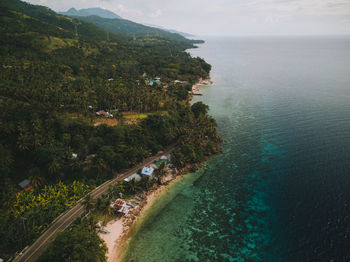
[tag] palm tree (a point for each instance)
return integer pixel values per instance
(53, 167)
(146, 183)
(91, 222)
(133, 185)
(36, 181)
(106, 208)
(161, 171)
(121, 187)
(101, 166)
(88, 202)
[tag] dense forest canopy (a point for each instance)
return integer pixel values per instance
(56, 72)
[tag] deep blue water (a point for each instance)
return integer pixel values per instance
(281, 189)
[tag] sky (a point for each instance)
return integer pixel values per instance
(227, 17)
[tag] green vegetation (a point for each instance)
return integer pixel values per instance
(127, 27)
(25, 216)
(81, 243)
(53, 67)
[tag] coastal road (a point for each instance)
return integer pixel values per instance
(33, 252)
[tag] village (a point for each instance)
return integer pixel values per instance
(124, 206)
(156, 82)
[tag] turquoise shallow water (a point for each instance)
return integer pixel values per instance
(280, 191)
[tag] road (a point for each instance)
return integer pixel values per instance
(33, 252)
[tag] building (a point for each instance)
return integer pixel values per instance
(180, 82)
(147, 171)
(120, 206)
(104, 114)
(25, 185)
(135, 176)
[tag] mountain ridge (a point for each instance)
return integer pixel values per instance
(104, 13)
(126, 26)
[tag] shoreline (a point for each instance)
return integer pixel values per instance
(120, 228)
(201, 82)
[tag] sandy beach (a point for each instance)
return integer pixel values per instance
(120, 227)
(201, 82)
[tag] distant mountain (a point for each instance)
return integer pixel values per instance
(91, 11)
(112, 22)
(126, 27)
(169, 30)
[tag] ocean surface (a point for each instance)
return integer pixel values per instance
(281, 189)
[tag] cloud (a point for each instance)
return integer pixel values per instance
(156, 13)
(124, 11)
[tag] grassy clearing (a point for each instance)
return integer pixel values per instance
(105, 121)
(134, 115)
(129, 117)
(52, 43)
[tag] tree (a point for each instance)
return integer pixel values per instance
(106, 208)
(36, 180)
(79, 244)
(88, 202)
(161, 172)
(199, 109)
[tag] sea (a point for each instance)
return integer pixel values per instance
(280, 191)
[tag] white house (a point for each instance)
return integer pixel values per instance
(135, 176)
(148, 171)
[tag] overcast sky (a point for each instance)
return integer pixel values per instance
(227, 17)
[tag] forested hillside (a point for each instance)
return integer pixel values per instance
(122, 26)
(56, 72)
(91, 11)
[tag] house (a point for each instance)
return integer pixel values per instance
(154, 81)
(135, 176)
(147, 171)
(110, 79)
(74, 155)
(25, 185)
(120, 206)
(180, 82)
(104, 114)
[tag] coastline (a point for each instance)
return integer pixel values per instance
(121, 228)
(201, 82)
